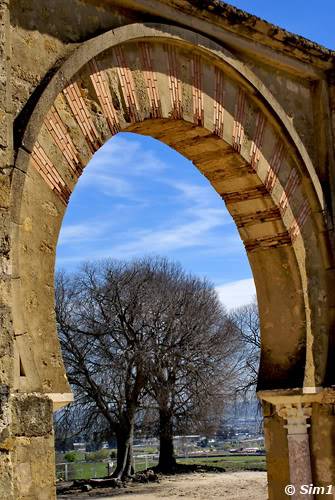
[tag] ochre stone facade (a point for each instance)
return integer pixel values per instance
(254, 108)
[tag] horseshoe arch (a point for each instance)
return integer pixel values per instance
(195, 96)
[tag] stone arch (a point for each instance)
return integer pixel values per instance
(194, 95)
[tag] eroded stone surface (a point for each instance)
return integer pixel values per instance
(31, 415)
(250, 104)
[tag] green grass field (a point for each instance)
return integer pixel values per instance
(88, 470)
(83, 470)
(230, 463)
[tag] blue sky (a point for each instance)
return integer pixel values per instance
(139, 197)
(310, 18)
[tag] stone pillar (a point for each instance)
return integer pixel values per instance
(299, 430)
(322, 442)
(29, 448)
(275, 436)
(299, 456)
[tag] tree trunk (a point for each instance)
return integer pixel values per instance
(167, 461)
(124, 461)
(129, 468)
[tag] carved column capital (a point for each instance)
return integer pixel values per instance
(296, 416)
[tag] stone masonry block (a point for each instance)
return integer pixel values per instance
(31, 415)
(6, 478)
(34, 465)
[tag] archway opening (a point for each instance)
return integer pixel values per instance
(124, 204)
(262, 226)
(136, 199)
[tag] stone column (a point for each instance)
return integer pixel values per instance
(28, 449)
(296, 416)
(299, 451)
(275, 436)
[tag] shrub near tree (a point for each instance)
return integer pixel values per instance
(130, 331)
(71, 456)
(99, 456)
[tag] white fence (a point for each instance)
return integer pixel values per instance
(68, 471)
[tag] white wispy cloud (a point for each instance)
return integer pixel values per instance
(78, 233)
(121, 151)
(198, 201)
(114, 167)
(237, 293)
(192, 221)
(197, 233)
(200, 195)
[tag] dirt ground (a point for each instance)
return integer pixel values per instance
(199, 486)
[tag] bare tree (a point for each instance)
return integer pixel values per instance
(246, 320)
(192, 365)
(144, 329)
(102, 328)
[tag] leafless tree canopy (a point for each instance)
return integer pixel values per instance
(142, 334)
(246, 321)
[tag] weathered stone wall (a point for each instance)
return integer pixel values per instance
(276, 453)
(294, 277)
(43, 34)
(34, 218)
(6, 162)
(323, 444)
(295, 71)
(6, 330)
(32, 447)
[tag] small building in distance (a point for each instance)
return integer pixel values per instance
(79, 447)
